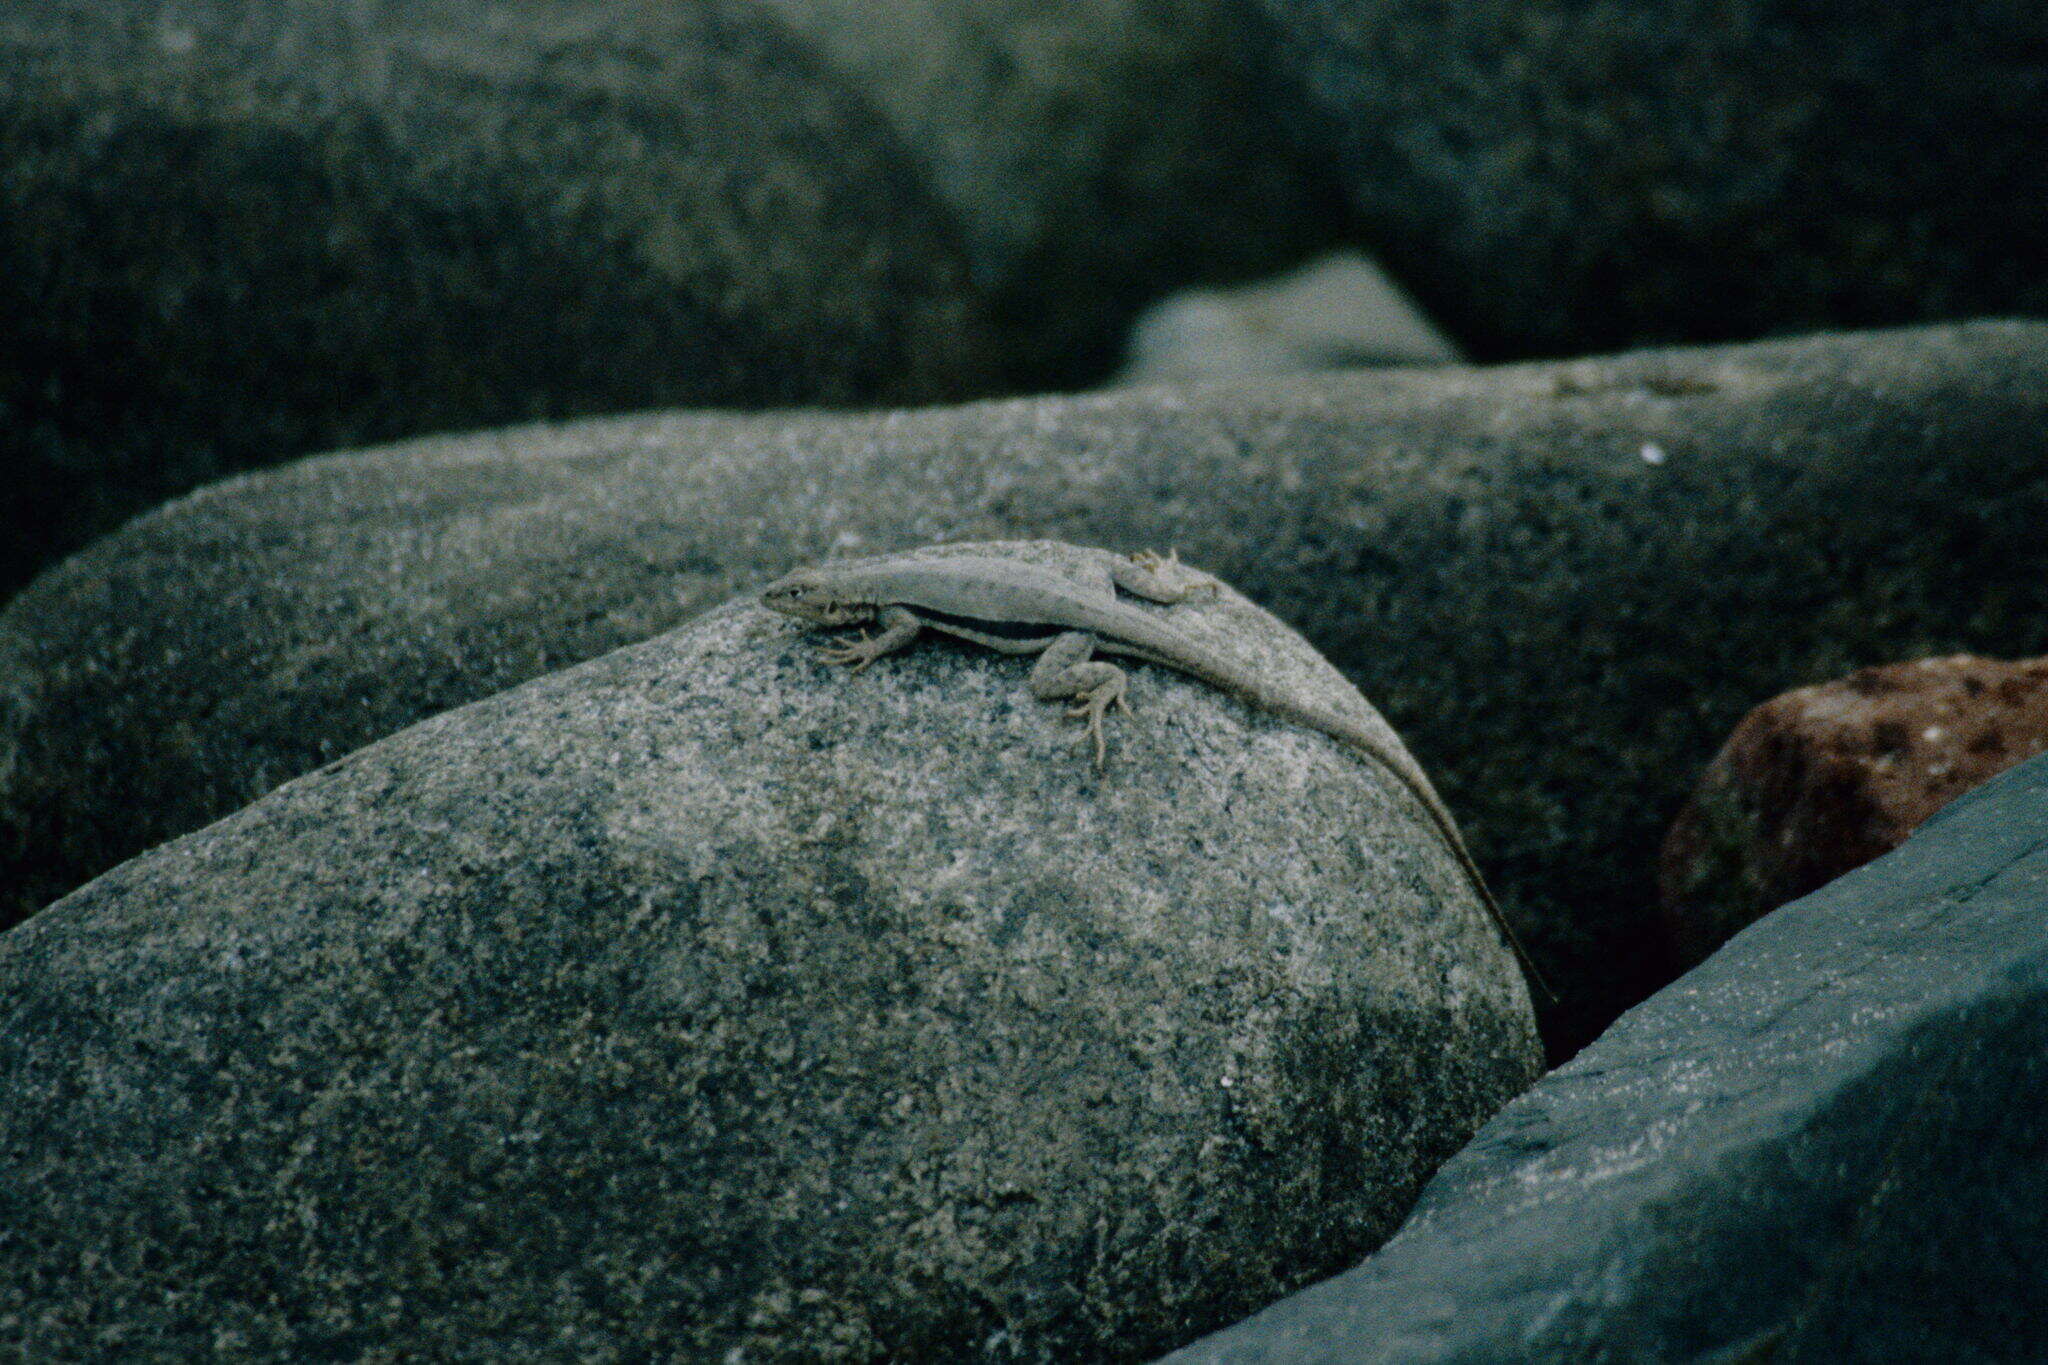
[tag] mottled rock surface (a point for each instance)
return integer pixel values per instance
(704, 998)
(1821, 780)
(1551, 179)
(1096, 154)
(1565, 584)
(1824, 1145)
(232, 233)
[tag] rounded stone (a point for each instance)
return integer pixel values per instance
(1818, 781)
(232, 233)
(709, 1002)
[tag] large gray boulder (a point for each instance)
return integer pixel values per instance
(1823, 1145)
(704, 1002)
(1550, 179)
(233, 233)
(1564, 583)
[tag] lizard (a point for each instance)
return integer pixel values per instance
(1017, 608)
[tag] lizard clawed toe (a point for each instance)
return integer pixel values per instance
(858, 651)
(1094, 732)
(1091, 709)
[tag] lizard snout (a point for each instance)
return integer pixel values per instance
(804, 596)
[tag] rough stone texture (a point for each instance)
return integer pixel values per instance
(705, 997)
(1096, 153)
(1824, 1145)
(1553, 178)
(1821, 780)
(1564, 584)
(232, 233)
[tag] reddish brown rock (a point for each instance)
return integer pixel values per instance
(1822, 779)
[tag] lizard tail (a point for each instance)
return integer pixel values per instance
(1144, 640)
(1412, 777)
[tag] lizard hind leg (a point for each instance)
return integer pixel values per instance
(1065, 672)
(1160, 579)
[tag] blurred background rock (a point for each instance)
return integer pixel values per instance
(1335, 313)
(1095, 153)
(232, 234)
(1554, 178)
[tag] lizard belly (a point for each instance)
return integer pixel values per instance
(1006, 637)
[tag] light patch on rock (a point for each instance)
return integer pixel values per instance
(1339, 312)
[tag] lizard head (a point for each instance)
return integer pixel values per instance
(808, 596)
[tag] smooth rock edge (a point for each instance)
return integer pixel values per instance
(1822, 1145)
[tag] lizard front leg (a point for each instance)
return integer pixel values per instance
(1064, 671)
(899, 628)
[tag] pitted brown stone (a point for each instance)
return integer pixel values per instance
(1820, 780)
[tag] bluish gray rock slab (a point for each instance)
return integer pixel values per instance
(235, 233)
(1563, 583)
(1551, 179)
(705, 1002)
(1825, 1144)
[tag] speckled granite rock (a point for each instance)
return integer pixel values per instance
(1563, 583)
(1095, 153)
(705, 998)
(1819, 781)
(232, 233)
(1557, 178)
(1824, 1145)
